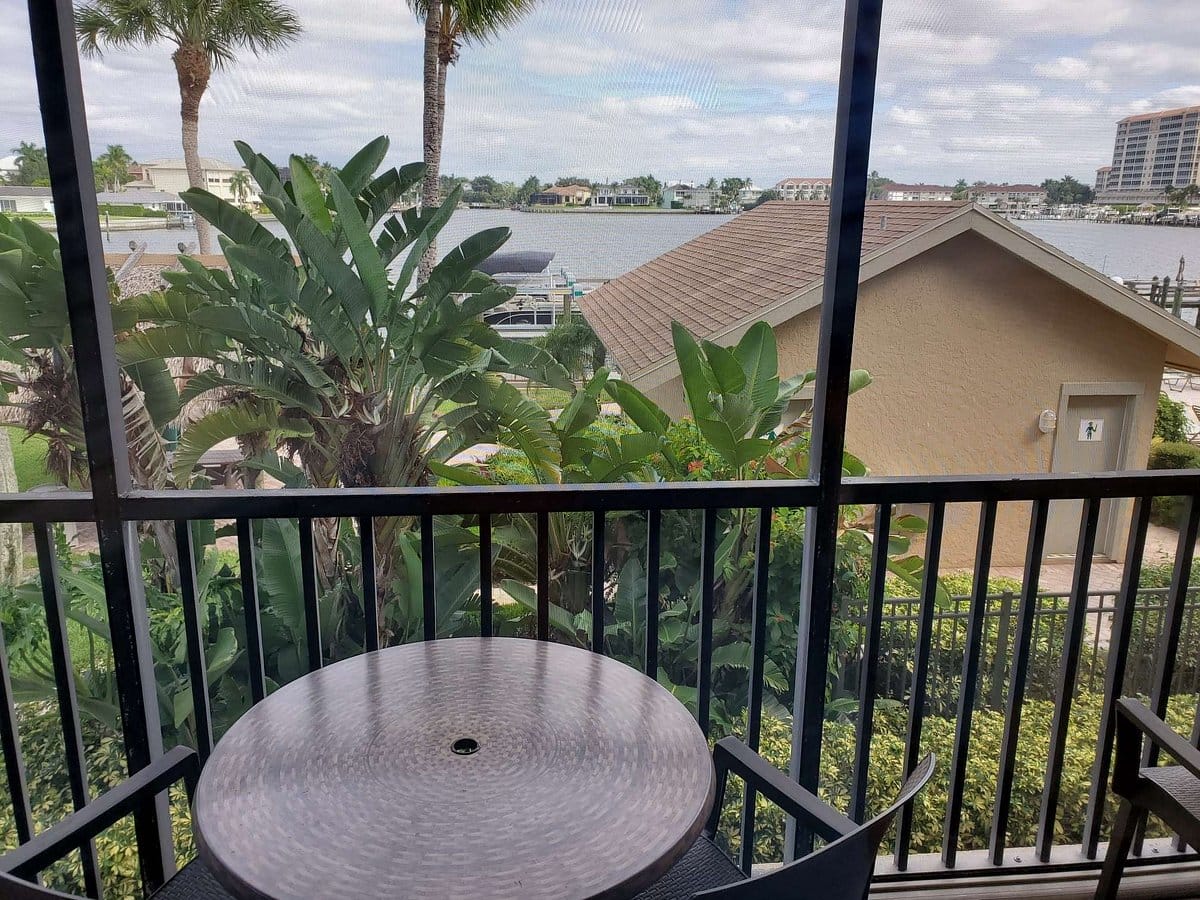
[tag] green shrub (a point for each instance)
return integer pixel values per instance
(1174, 455)
(929, 811)
(1170, 420)
(949, 640)
(131, 211)
(1171, 455)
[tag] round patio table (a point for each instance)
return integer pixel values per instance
(471, 767)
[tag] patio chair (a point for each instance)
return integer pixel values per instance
(1170, 792)
(841, 870)
(192, 882)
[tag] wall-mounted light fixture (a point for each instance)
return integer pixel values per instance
(1047, 421)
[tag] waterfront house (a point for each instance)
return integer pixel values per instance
(687, 196)
(170, 175)
(161, 201)
(621, 195)
(562, 195)
(18, 198)
(748, 194)
(918, 193)
(1008, 196)
(990, 350)
(804, 188)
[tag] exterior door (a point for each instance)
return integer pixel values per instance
(1090, 437)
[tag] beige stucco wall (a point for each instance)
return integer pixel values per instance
(967, 344)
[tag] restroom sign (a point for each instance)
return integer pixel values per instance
(1091, 430)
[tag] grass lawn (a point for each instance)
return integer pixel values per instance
(29, 457)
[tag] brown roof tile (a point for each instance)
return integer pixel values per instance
(733, 272)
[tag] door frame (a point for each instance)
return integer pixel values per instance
(1133, 391)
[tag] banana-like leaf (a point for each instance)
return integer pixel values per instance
(641, 410)
(228, 422)
(238, 225)
(429, 228)
(584, 407)
(362, 249)
(258, 378)
(169, 342)
(448, 275)
(262, 169)
(758, 357)
(310, 199)
(158, 388)
(278, 276)
(356, 173)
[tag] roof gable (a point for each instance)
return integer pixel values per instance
(732, 272)
(772, 266)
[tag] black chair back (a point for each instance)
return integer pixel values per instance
(841, 870)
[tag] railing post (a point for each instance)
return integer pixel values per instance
(56, 65)
(851, 149)
(999, 664)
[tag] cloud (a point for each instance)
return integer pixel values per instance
(905, 116)
(1069, 67)
(1013, 90)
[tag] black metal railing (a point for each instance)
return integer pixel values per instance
(1028, 615)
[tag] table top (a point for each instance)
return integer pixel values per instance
(471, 767)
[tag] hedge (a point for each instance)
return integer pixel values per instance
(131, 211)
(1171, 455)
(50, 796)
(937, 736)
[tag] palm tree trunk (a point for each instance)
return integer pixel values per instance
(431, 125)
(193, 70)
(12, 551)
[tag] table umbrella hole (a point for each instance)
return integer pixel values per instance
(465, 746)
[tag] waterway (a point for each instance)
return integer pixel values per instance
(610, 244)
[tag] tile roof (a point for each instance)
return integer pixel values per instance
(733, 272)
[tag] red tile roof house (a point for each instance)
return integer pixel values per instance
(990, 350)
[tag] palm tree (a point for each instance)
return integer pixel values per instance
(31, 163)
(239, 185)
(448, 25)
(206, 35)
(113, 164)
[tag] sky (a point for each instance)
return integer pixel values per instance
(995, 90)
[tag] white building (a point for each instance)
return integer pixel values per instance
(8, 167)
(749, 194)
(16, 198)
(159, 200)
(170, 175)
(804, 188)
(686, 196)
(1008, 196)
(620, 195)
(918, 193)
(1153, 151)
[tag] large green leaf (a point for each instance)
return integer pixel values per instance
(758, 357)
(310, 199)
(641, 410)
(168, 342)
(238, 225)
(264, 171)
(697, 381)
(429, 224)
(362, 249)
(258, 378)
(232, 421)
(158, 388)
(448, 275)
(356, 173)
